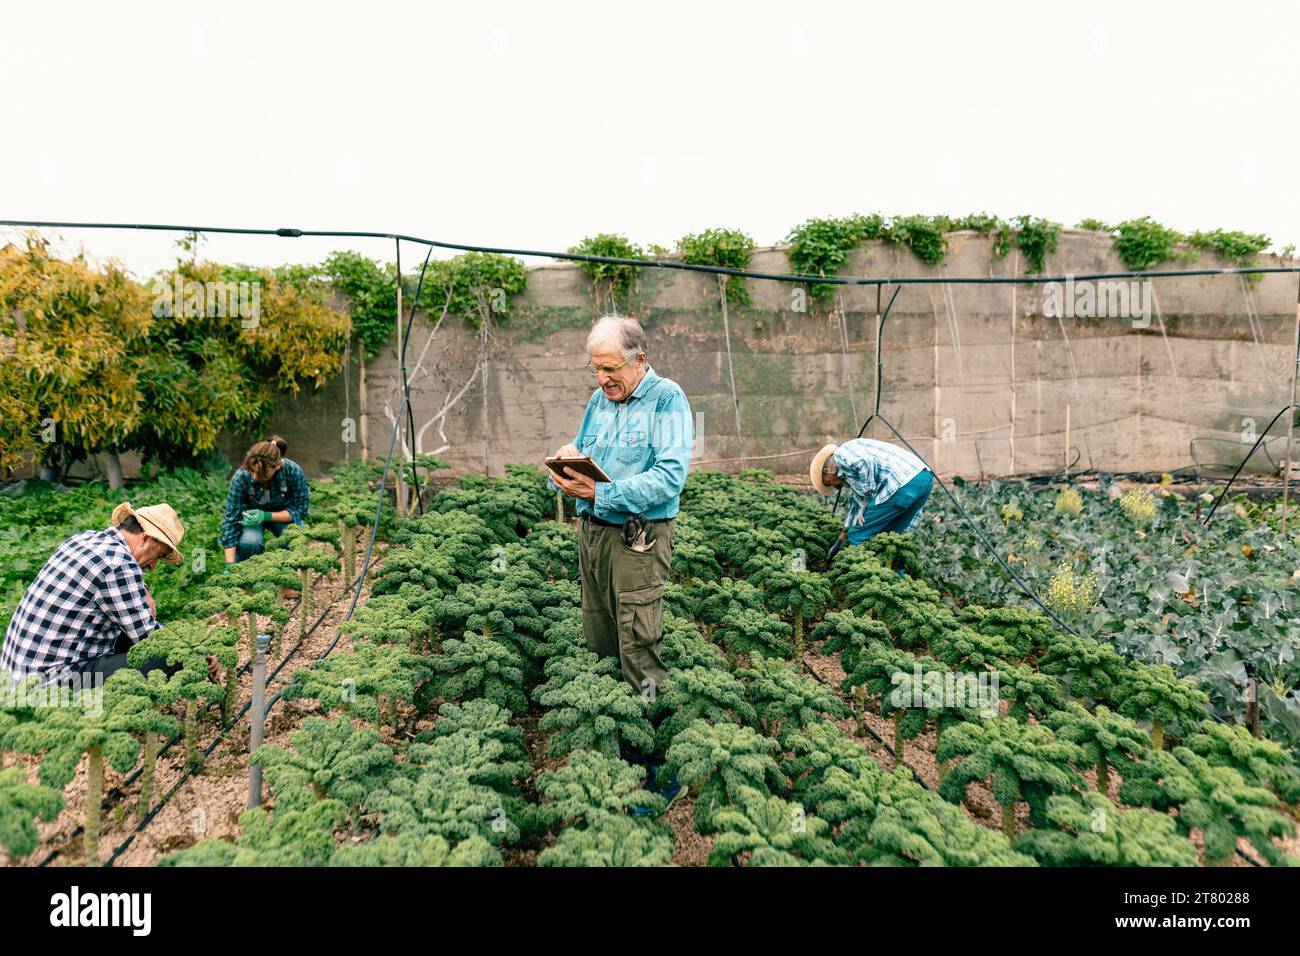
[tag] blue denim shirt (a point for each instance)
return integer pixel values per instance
(643, 444)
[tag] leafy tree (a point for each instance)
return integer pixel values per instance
(1104, 738)
(786, 701)
(593, 712)
(1020, 762)
(20, 803)
(423, 850)
(719, 759)
(1153, 692)
(480, 666)
(771, 831)
(800, 596)
(371, 290)
(699, 693)
(1087, 830)
(614, 841)
(592, 787)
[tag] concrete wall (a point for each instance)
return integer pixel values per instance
(976, 377)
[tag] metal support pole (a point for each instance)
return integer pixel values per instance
(257, 718)
(1290, 415)
(400, 472)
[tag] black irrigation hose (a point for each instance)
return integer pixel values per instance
(294, 233)
(1253, 449)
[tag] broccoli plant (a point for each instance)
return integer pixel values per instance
(1216, 801)
(695, 693)
(902, 824)
(799, 596)
(1020, 762)
(755, 633)
(1087, 830)
(593, 712)
(771, 832)
(614, 841)
(785, 700)
(718, 759)
(367, 683)
(1260, 762)
(329, 760)
(423, 850)
(480, 666)
(1153, 692)
(592, 787)
(1104, 738)
(20, 803)
(188, 644)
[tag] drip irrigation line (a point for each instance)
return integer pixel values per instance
(295, 233)
(1262, 435)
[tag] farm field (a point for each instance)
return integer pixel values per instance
(883, 710)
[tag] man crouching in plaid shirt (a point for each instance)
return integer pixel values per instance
(89, 604)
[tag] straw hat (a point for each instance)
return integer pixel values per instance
(815, 469)
(159, 522)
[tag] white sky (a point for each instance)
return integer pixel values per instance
(534, 124)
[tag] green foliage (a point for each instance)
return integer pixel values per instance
(1036, 238)
(593, 711)
(1105, 739)
(719, 759)
(591, 788)
(1143, 243)
(614, 841)
(20, 803)
(1087, 830)
(729, 248)
(609, 280)
(371, 290)
(300, 837)
(800, 596)
(820, 247)
(699, 693)
(771, 832)
(785, 700)
(1261, 763)
(329, 759)
(1239, 248)
(357, 683)
(751, 632)
(423, 850)
(477, 286)
(1154, 693)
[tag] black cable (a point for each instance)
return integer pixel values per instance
(657, 263)
(1253, 448)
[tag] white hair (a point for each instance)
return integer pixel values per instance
(620, 330)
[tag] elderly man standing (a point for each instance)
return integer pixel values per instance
(89, 603)
(638, 429)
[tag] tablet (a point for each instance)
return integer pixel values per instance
(580, 465)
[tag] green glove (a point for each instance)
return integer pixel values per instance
(226, 569)
(254, 516)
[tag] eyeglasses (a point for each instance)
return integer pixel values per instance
(605, 369)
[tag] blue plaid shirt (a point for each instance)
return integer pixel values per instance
(90, 592)
(289, 486)
(643, 444)
(874, 470)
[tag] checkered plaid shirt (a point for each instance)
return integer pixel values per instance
(89, 593)
(289, 485)
(874, 470)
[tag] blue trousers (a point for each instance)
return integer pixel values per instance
(899, 513)
(253, 540)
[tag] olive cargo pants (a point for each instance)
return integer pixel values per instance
(623, 599)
